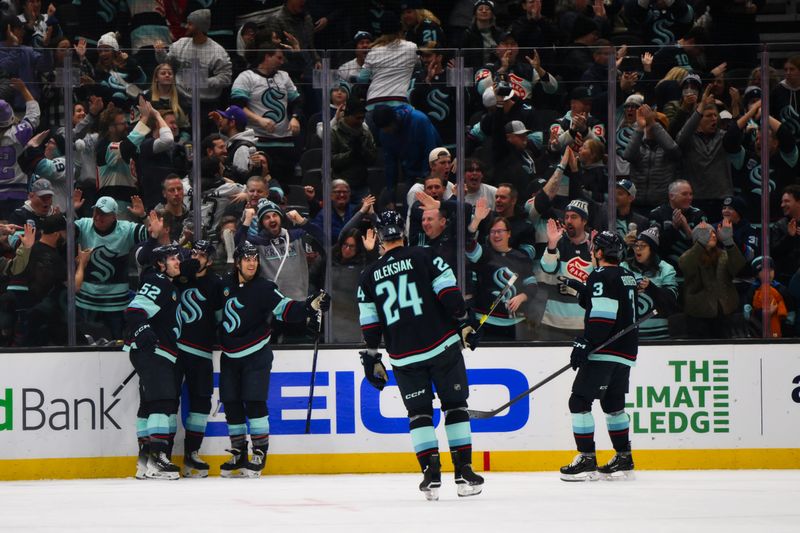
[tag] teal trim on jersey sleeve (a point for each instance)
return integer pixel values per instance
(424, 438)
(248, 351)
(444, 280)
(791, 158)
(549, 262)
(430, 354)
(280, 308)
(144, 303)
(367, 313)
(475, 255)
(18, 288)
(500, 321)
(477, 132)
(240, 93)
(603, 307)
(611, 359)
(194, 351)
(364, 76)
(293, 95)
(528, 249)
(582, 423)
(458, 434)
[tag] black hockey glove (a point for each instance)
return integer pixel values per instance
(318, 302)
(468, 327)
(570, 283)
(580, 352)
(374, 370)
(145, 338)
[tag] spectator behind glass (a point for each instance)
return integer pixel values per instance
(420, 25)
(341, 210)
(675, 220)
(709, 295)
(654, 159)
(388, 68)
(362, 41)
(655, 283)
(163, 93)
(783, 100)
(23, 62)
(473, 182)
(784, 240)
(116, 70)
(353, 148)
(659, 22)
(349, 259)
(13, 139)
(781, 306)
(482, 36)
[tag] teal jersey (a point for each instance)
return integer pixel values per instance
(105, 282)
(657, 327)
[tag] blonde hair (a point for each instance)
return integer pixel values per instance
(174, 102)
(676, 74)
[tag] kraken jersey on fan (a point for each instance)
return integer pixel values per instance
(573, 261)
(200, 300)
(410, 297)
(105, 283)
(156, 303)
(494, 270)
(270, 97)
(611, 308)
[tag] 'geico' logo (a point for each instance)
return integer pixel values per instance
(415, 394)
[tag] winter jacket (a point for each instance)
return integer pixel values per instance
(708, 289)
(409, 144)
(352, 152)
(705, 163)
(655, 162)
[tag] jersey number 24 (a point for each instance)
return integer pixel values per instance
(403, 296)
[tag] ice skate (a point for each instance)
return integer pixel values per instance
(432, 478)
(141, 461)
(236, 466)
(619, 468)
(160, 467)
(468, 483)
(582, 468)
(256, 465)
(193, 466)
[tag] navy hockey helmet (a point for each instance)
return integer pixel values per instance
(204, 246)
(162, 253)
(610, 243)
(246, 249)
(390, 226)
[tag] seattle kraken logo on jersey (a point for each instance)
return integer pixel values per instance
(190, 305)
(789, 118)
(272, 100)
(501, 277)
(755, 178)
(232, 319)
(623, 138)
(438, 101)
(100, 260)
(643, 304)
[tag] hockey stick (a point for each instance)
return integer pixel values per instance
(488, 414)
(122, 385)
(313, 372)
(497, 301)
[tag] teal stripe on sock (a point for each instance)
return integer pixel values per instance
(458, 434)
(157, 424)
(173, 423)
(424, 438)
(237, 429)
(141, 427)
(582, 423)
(196, 422)
(618, 422)
(259, 426)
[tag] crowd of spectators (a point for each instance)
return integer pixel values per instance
(685, 121)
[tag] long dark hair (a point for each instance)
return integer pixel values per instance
(360, 251)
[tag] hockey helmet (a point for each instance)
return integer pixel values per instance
(204, 246)
(162, 253)
(390, 226)
(246, 249)
(610, 243)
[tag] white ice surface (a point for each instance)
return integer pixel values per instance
(676, 501)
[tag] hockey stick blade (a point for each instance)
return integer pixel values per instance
(497, 300)
(489, 414)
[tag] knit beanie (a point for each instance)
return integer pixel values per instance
(200, 19)
(265, 206)
(702, 234)
(650, 236)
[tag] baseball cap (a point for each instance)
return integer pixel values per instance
(236, 114)
(725, 115)
(628, 185)
(106, 204)
(42, 187)
(758, 263)
(53, 223)
(580, 93)
(517, 127)
(361, 35)
(504, 36)
(436, 153)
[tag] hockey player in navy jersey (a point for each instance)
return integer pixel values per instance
(410, 298)
(249, 302)
(200, 301)
(153, 321)
(609, 298)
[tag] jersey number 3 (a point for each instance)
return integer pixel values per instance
(403, 296)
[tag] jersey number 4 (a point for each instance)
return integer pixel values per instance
(403, 296)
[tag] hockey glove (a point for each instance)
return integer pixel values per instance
(468, 327)
(580, 352)
(318, 302)
(374, 370)
(570, 283)
(145, 338)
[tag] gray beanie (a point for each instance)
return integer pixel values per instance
(200, 19)
(650, 236)
(702, 234)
